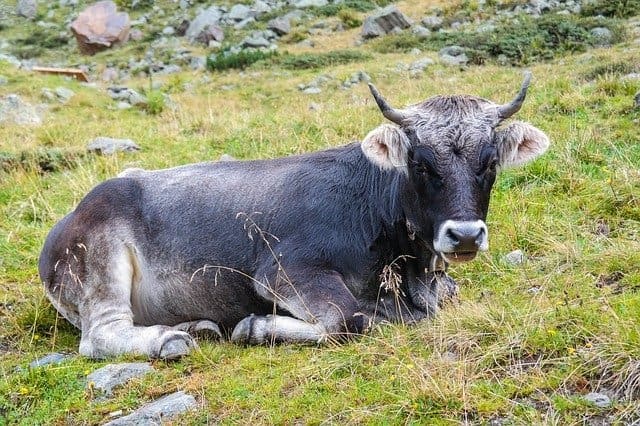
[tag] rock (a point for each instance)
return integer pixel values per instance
(205, 19)
(255, 41)
(157, 412)
(105, 379)
(432, 22)
(636, 100)
(420, 31)
(49, 359)
(356, 78)
(384, 21)
(14, 110)
(3, 80)
(420, 65)
(600, 400)
(64, 94)
(453, 55)
(11, 59)
(303, 4)
(123, 105)
(226, 157)
(127, 95)
(240, 12)
(109, 74)
(48, 95)
(108, 146)
(602, 36)
(280, 26)
(182, 27)
(240, 25)
(312, 90)
(27, 8)
(198, 62)
(100, 27)
(210, 33)
(136, 34)
(516, 257)
(169, 30)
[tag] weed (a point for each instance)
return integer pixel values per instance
(227, 60)
(156, 101)
(349, 18)
(611, 8)
(319, 60)
(333, 9)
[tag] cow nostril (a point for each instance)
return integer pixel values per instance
(479, 237)
(453, 236)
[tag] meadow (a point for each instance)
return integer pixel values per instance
(523, 344)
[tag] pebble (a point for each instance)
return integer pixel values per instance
(600, 400)
(105, 379)
(158, 412)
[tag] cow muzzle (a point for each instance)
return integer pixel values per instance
(460, 241)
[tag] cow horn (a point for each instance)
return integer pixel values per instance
(391, 114)
(507, 110)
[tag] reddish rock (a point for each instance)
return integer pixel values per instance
(99, 27)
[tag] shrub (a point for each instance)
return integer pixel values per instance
(332, 9)
(155, 102)
(349, 18)
(227, 60)
(520, 41)
(319, 60)
(37, 42)
(41, 160)
(611, 8)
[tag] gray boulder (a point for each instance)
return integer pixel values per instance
(210, 33)
(14, 110)
(27, 8)
(303, 4)
(105, 379)
(127, 95)
(384, 21)
(240, 12)
(600, 400)
(432, 22)
(453, 55)
(602, 36)
(158, 412)
(256, 40)
(280, 25)
(516, 257)
(206, 18)
(50, 359)
(109, 146)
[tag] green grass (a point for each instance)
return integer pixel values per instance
(524, 343)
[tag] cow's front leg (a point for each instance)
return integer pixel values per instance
(321, 307)
(431, 290)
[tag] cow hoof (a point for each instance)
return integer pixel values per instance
(176, 344)
(203, 329)
(242, 331)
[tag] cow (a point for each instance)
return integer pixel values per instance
(303, 249)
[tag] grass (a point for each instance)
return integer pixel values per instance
(524, 343)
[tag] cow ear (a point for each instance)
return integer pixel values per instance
(387, 147)
(518, 143)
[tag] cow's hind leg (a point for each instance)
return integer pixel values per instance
(106, 315)
(320, 304)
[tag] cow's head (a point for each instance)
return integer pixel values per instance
(450, 149)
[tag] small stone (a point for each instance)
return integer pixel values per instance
(27, 8)
(168, 31)
(600, 400)
(14, 109)
(3, 80)
(420, 31)
(602, 36)
(64, 94)
(432, 22)
(303, 4)
(312, 90)
(157, 412)
(453, 55)
(240, 12)
(105, 379)
(256, 41)
(49, 359)
(420, 65)
(516, 257)
(108, 146)
(123, 105)
(280, 26)
(136, 34)
(636, 100)
(226, 157)
(48, 95)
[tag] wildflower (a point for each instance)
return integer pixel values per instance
(23, 390)
(571, 351)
